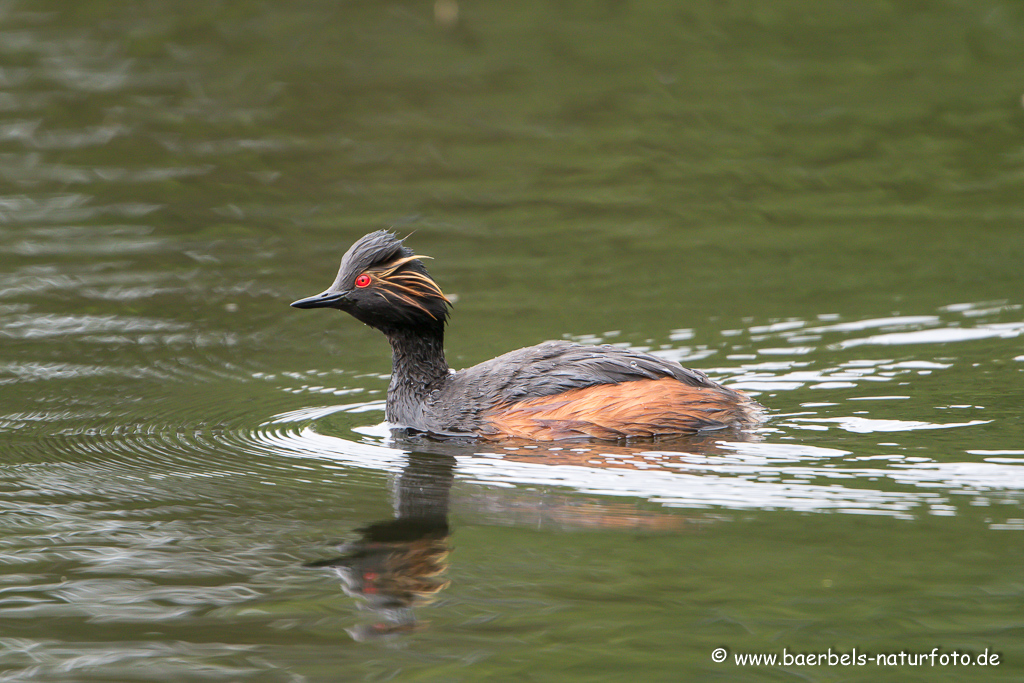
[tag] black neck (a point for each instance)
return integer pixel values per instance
(417, 367)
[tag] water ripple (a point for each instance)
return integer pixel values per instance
(142, 457)
(731, 475)
(51, 659)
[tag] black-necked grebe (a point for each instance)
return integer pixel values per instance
(555, 390)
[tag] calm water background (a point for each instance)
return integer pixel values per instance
(820, 203)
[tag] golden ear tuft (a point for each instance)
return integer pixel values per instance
(409, 286)
(395, 265)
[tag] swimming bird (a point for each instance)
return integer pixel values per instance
(551, 391)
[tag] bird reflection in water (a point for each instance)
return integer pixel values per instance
(397, 565)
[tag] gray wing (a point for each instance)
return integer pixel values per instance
(557, 366)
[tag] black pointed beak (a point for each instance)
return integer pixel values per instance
(327, 299)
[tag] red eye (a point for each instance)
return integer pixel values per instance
(363, 280)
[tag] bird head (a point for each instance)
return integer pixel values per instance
(384, 284)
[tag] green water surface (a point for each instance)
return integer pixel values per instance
(819, 203)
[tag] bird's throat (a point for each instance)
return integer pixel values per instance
(417, 368)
